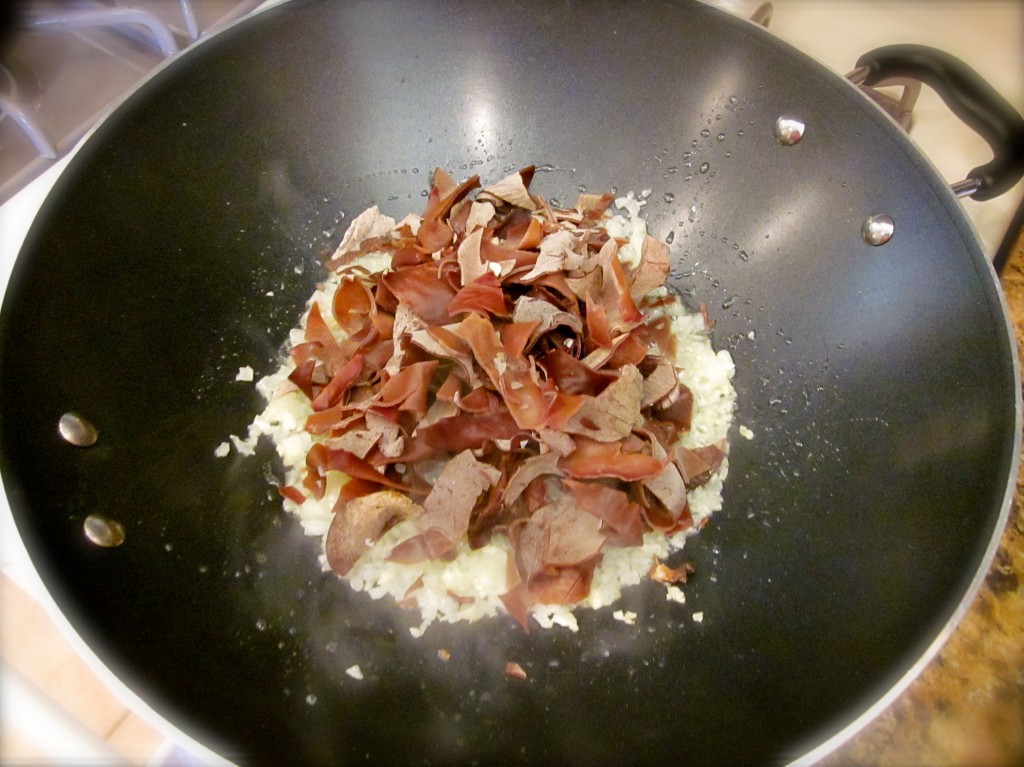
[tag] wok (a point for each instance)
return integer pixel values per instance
(880, 383)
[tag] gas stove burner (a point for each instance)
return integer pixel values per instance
(20, 82)
(13, 98)
(65, 63)
(8, 86)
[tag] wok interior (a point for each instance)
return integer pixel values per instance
(185, 238)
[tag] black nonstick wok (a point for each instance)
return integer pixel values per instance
(879, 381)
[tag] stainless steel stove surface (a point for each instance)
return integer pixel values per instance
(65, 63)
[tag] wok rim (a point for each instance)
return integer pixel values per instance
(214, 753)
(984, 566)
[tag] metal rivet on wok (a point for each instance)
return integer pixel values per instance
(103, 531)
(789, 130)
(77, 431)
(877, 229)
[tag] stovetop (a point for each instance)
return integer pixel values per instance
(65, 63)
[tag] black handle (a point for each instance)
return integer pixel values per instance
(970, 98)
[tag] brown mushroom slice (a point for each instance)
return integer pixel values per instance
(444, 194)
(352, 305)
(442, 343)
(448, 508)
(533, 467)
(483, 296)
(471, 263)
(572, 376)
(620, 517)
(652, 271)
(556, 255)
(514, 670)
(407, 390)
(546, 315)
(612, 414)
(669, 488)
(615, 297)
(480, 215)
(593, 460)
(557, 549)
(368, 224)
(361, 522)
(420, 290)
(660, 382)
(340, 383)
(513, 189)
(592, 206)
(434, 235)
(696, 465)
(664, 574)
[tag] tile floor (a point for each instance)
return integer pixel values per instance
(55, 707)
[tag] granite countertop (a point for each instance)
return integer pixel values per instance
(967, 706)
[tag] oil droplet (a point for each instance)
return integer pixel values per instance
(720, 137)
(311, 699)
(705, 133)
(103, 531)
(670, 237)
(261, 625)
(729, 302)
(669, 197)
(704, 166)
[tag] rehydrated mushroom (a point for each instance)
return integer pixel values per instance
(499, 377)
(662, 573)
(360, 522)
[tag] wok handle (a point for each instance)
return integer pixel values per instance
(970, 98)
